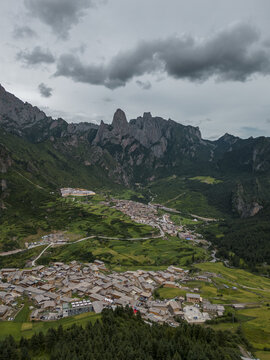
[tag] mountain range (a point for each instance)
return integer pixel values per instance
(124, 152)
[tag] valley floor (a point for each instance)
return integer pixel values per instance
(159, 239)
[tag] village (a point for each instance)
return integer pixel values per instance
(76, 192)
(62, 290)
(148, 214)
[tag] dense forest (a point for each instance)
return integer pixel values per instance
(122, 335)
(247, 239)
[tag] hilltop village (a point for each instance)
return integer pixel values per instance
(62, 290)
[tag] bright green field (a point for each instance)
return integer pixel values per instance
(23, 314)
(257, 330)
(27, 329)
(206, 179)
(170, 293)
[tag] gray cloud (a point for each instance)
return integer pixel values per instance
(36, 56)
(232, 54)
(60, 15)
(69, 65)
(22, 32)
(45, 90)
(145, 85)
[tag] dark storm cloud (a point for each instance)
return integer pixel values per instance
(145, 85)
(70, 66)
(60, 15)
(45, 90)
(23, 32)
(235, 54)
(36, 56)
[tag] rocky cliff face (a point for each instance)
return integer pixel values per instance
(22, 118)
(245, 203)
(30, 122)
(146, 144)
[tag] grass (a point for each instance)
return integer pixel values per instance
(121, 255)
(21, 259)
(170, 293)
(27, 329)
(263, 355)
(100, 219)
(85, 218)
(206, 180)
(23, 314)
(207, 290)
(252, 290)
(238, 276)
(257, 330)
(189, 197)
(185, 221)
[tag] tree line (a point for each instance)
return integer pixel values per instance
(122, 335)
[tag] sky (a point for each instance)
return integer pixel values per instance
(204, 63)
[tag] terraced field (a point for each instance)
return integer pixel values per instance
(123, 255)
(252, 290)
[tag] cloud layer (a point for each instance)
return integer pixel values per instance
(23, 32)
(44, 90)
(36, 56)
(232, 54)
(60, 15)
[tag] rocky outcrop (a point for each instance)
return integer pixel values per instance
(243, 204)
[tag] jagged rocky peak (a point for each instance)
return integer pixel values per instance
(12, 108)
(119, 122)
(228, 138)
(21, 118)
(147, 116)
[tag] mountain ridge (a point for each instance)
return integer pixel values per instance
(140, 150)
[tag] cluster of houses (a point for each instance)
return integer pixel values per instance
(61, 290)
(148, 214)
(76, 192)
(57, 238)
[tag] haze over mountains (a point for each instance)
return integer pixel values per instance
(139, 151)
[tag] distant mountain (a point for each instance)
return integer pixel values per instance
(139, 151)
